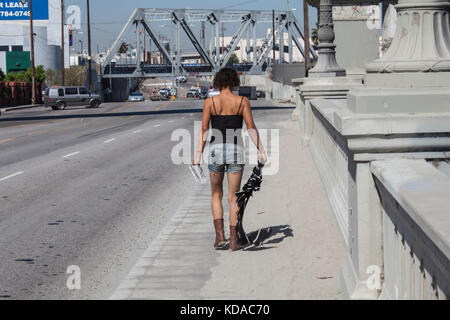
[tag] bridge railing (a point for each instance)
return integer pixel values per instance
(393, 214)
(415, 198)
(381, 144)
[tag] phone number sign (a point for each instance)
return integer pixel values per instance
(15, 10)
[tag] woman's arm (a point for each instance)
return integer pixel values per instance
(252, 130)
(203, 134)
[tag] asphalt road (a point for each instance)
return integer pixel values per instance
(90, 188)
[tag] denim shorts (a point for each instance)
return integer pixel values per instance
(226, 157)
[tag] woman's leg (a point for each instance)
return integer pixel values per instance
(216, 179)
(234, 184)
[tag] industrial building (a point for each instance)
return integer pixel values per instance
(15, 35)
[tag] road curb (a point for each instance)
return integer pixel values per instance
(157, 252)
(21, 107)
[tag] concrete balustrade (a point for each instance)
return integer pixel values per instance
(373, 143)
(415, 199)
(345, 155)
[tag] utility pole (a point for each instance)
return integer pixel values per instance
(150, 49)
(273, 35)
(202, 33)
(145, 46)
(62, 44)
(306, 34)
(33, 83)
(82, 49)
(202, 36)
(89, 47)
(223, 39)
(138, 46)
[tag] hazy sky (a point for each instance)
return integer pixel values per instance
(109, 16)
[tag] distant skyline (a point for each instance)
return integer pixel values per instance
(109, 16)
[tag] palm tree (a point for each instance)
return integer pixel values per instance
(123, 48)
(234, 58)
(315, 35)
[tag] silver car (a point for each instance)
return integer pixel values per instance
(136, 96)
(60, 97)
(212, 93)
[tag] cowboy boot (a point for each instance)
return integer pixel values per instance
(220, 234)
(234, 244)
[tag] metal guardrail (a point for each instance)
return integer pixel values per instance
(127, 69)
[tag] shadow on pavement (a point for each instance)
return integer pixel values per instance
(275, 235)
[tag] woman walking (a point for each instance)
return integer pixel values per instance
(226, 112)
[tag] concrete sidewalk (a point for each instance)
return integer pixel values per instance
(300, 259)
(30, 106)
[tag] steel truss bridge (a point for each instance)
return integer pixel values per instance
(214, 58)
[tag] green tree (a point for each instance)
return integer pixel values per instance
(2, 75)
(167, 47)
(315, 35)
(234, 58)
(123, 48)
(53, 77)
(40, 74)
(11, 77)
(23, 76)
(75, 76)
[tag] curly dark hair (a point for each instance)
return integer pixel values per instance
(226, 78)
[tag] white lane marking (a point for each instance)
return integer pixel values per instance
(110, 140)
(170, 121)
(157, 125)
(12, 175)
(71, 154)
(191, 114)
(137, 131)
(183, 117)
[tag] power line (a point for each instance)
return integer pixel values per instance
(240, 4)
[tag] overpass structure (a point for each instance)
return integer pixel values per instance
(217, 56)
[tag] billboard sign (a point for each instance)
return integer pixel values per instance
(15, 10)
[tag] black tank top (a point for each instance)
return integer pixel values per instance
(224, 122)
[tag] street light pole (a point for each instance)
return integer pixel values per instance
(326, 63)
(110, 74)
(89, 47)
(33, 88)
(173, 71)
(81, 42)
(306, 34)
(273, 37)
(110, 66)
(62, 44)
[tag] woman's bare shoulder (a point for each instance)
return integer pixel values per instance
(245, 101)
(208, 101)
(239, 98)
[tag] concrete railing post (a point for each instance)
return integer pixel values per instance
(327, 65)
(422, 39)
